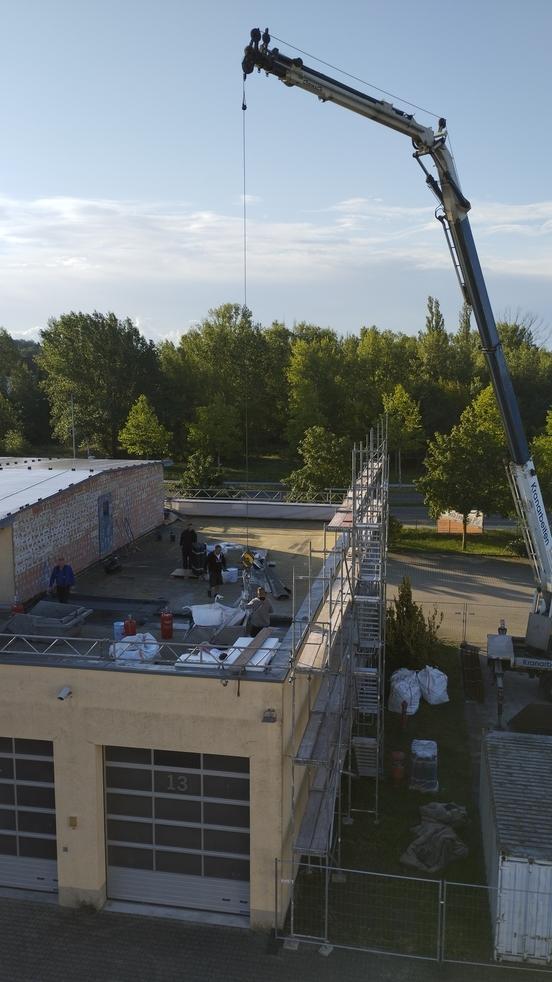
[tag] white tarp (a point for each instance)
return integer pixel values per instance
(215, 615)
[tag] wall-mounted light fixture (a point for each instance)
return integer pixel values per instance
(269, 716)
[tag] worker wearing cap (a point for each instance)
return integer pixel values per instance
(260, 610)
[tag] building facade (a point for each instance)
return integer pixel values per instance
(81, 509)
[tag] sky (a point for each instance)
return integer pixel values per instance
(122, 176)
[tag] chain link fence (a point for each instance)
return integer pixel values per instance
(415, 917)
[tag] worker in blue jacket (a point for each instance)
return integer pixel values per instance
(62, 579)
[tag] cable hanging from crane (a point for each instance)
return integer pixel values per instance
(356, 78)
(246, 386)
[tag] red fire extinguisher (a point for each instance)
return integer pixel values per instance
(17, 607)
(397, 767)
(166, 625)
(129, 626)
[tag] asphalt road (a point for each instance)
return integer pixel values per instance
(472, 592)
(406, 504)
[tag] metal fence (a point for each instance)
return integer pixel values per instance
(328, 496)
(462, 620)
(415, 917)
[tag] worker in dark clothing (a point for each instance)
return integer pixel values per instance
(62, 579)
(188, 539)
(215, 564)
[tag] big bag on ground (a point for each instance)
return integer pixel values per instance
(433, 684)
(405, 687)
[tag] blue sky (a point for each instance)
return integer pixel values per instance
(122, 175)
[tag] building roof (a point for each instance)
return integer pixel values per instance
(26, 480)
(520, 778)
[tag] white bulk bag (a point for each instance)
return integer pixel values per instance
(433, 684)
(405, 687)
(137, 648)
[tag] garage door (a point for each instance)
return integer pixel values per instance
(28, 854)
(177, 827)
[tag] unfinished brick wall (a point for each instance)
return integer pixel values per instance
(68, 523)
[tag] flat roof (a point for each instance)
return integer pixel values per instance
(520, 777)
(145, 585)
(26, 480)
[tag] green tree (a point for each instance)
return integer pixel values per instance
(317, 389)
(105, 364)
(217, 430)
(410, 637)
(541, 448)
(180, 391)
(226, 354)
(30, 402)
(9, 419)
(9, 357)
(200, 472)
(434, 344)
(326, 464)
(465, 346)
(404, 424)
(435, 322)
(464, 469)
(143, 435)
(14, 442)
(273, 372)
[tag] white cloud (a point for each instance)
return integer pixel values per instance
(70, 248)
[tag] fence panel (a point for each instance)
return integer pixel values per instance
(483, 925)
(467, 930)
(359, 909)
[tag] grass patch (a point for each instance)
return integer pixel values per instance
(402, 915)
(379, 847)
(494, 543)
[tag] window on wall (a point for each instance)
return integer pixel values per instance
(27, 798)
(176, 812)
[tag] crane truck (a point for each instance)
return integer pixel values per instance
(532, 653)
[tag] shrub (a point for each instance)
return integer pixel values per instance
(411, 637)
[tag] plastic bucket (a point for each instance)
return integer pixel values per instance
(118, 630)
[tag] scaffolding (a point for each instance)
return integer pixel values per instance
(337, 661)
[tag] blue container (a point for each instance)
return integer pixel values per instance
(118, 630)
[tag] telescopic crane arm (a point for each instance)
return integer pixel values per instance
(452, 212)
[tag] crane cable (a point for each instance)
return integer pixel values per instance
(246, 387)
(356, 78)
(369, 85)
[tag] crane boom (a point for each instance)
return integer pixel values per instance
(452, 212)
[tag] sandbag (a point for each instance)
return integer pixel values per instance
(433, 685)
(405, 687)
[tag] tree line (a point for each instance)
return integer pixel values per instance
(231, 386)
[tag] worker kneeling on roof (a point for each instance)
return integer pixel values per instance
(260, 610)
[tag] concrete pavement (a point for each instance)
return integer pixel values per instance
(44, 943)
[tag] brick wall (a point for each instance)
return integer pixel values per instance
(67, 523)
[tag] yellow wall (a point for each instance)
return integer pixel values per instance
(146, 710)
